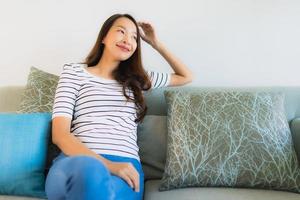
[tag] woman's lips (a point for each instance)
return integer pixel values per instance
(123, 48)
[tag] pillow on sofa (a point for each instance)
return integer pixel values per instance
(151, 139)
(229, 138)
(38, 96)
(39, 92)
(23, 147)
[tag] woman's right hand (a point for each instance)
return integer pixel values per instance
(126, 171)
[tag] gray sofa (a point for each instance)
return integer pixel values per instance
(10, 98)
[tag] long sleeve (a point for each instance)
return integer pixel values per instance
(159, 79)
(66, 92)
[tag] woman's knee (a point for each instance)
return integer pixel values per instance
(54, 184)
(88, 169)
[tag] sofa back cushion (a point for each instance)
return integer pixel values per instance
(10, 98)
(152, 142)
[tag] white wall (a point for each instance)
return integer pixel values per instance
(224, 42)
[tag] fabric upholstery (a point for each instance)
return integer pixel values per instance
(214, 193)
(152, 136)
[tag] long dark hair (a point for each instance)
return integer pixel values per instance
(130, 73)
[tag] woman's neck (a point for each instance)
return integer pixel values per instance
(106, 66)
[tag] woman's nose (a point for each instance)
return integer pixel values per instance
(126, 39)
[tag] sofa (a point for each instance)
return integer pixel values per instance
(10, 97)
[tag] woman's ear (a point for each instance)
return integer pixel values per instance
(103, 40)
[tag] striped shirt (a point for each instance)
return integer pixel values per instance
(102, 119)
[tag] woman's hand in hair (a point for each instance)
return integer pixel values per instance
(148, 33)
(126, 171)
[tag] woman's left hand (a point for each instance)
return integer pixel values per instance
(148, 34)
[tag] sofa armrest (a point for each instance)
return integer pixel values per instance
(295, 129)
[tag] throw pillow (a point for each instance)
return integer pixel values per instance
(38, 96)
(151, 139)
(229, 138)
(23, 147)
(39, 92)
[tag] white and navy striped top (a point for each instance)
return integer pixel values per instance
(101, 117)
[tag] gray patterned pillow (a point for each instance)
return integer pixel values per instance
(39, 92)
(230, 139)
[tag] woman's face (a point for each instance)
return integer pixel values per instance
(121, 39)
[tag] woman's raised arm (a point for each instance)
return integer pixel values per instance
(182, 74)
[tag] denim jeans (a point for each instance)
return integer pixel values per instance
(86, 178)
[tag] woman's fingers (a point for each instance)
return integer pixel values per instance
(128, 180)
(142, 23)
(137, 188)
(135, 177)
(127, 172)
(145, 25)
(136, 180)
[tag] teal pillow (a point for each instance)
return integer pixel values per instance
(23, 147)
(229, 138)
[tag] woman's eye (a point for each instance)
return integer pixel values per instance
(121, 31)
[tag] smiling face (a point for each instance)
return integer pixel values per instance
(121, 39)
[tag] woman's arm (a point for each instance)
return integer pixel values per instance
(182, 74)
(68, 143)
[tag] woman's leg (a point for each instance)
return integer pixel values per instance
(78, 177)
(83, 177)
(122, 190)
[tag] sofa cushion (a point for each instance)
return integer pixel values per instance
(209, 193)
(23, 147)
(295, 128)
(229, 138)
(5, 197)
(151, 139)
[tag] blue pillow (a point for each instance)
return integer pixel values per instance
(23, 152)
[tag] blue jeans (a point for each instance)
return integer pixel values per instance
(86, 178)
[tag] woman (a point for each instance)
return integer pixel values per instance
(97, 107)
